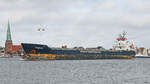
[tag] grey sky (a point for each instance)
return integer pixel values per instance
(87, 23)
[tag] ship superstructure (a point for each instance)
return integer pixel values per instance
(122, 43)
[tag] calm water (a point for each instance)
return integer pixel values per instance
(16, 71)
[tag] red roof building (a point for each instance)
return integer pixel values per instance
(16, 48)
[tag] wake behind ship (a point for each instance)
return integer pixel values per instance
(121, 50)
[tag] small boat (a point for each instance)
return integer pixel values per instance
(142, 56)
(145, 56)
(2, 55)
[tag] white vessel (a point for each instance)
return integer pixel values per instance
(142, 56)
(2, 55)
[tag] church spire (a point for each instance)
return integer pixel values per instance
(8, 32)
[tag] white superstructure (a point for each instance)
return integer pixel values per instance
(122, 43)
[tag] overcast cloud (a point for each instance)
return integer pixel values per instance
(87, 23)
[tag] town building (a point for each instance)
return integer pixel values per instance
(142, 51)
(1, 51)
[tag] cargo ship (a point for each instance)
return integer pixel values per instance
(121, 50)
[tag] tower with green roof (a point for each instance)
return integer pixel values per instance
(8, 43)
(8, 32)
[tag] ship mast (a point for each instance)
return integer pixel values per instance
(122, 36)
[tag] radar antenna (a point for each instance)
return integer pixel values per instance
(124, 34)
